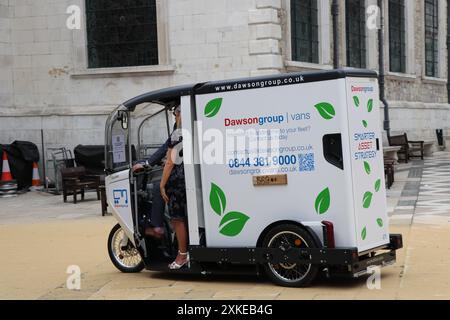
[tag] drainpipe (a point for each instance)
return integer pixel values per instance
(381, 76)
(335, 13)
(448, 49)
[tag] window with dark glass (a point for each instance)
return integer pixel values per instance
(397, 40)
(121, 33)
(431, 38)
(304, 31)
(355, 20)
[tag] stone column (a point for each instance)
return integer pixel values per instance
(265, 37)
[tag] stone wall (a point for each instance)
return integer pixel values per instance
(205, 41)
(419, 105)
(54, 91)
(6, 68)
(44, 82)
(417, 87)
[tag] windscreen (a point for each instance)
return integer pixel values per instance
(117, 140)
(153, 125)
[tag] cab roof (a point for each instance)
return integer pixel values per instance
(170, 97)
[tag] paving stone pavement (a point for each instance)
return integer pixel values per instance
(43, 236)
(37, 207)
(425, 191)
(434, 198)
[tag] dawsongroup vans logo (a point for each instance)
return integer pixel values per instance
(369, 89)
(261, 121)
(212, 108)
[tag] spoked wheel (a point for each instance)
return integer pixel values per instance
(286, 237)
(123, 254)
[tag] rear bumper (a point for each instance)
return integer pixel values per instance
(338, 260)
(377, 258)
(364, 266)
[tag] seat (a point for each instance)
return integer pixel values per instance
(409, 149)
(389, 172)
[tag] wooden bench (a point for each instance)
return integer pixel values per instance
(75, 181)
(390, 160)
(103, 200)
(389, 172)
(409, 149)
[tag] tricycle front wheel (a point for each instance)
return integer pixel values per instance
(122, 252)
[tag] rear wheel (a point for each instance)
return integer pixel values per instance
(122, 252)
(286, 237)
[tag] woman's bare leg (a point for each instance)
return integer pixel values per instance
(182, 238)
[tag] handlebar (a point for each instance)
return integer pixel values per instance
(145, 169)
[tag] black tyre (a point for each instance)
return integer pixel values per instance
(285, 237)
(125, 257)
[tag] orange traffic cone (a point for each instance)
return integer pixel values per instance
(36, 181)
(6, 174)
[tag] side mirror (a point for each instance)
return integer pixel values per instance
(123, 117)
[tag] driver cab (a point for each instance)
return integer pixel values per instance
(133, 136)
(134, 132)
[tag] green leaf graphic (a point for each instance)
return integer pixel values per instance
(378, 185)
(323, 201)
(233, 223)
(365, 124)
(364, 233)
(367, 200)
(370, 105)
(356, 101)
(380, 222)
(213, 107)
(367, 167)
(217, 199)
(326, 110)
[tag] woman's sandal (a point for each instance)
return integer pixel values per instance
(175, 266)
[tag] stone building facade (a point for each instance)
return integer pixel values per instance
(45, 81)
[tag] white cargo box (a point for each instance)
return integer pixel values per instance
(318, 157)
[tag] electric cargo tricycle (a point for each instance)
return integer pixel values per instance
(305, 193)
